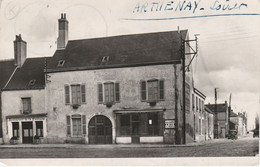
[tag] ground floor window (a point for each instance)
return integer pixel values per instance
(15, 129)
(76, 126)
(39, 128)
(142, 124)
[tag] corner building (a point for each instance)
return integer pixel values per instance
(121, 89)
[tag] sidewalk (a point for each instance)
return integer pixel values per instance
(194, 144)
(98, 145)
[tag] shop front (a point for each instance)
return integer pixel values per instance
(26, 129)
(139, 126)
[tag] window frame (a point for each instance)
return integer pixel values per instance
(69, 95)
(29, 111)
(146, 91)
(101, 88)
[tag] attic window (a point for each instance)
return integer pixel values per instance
(61, 63)
(105, 59)
(32, 82)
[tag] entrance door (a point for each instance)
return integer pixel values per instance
(100, 130)
(223, 132)
(135, 129)
(27, 132)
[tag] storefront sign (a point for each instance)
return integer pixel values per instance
(169, 123)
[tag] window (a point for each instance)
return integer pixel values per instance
(39, 128)
(76, 96)
(143, 124)
(15, 129)
(26, 105)
(61, 63)
(32, 82)
(76, 124)
(197, 107)
(111, 93)
(152, 90)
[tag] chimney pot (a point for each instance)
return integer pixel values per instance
(64, 15)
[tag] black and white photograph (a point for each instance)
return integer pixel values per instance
(129, 82)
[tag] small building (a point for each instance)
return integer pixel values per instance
(203, 117)
(221, 119)
(238, 122)
(23, 98)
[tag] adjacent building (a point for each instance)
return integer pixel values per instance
(238, 122)
(221, 119)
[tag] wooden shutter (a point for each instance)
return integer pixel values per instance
(100, 93)
(83, 94)
(67, 94)
(161, 90)
(84, 124)
(160, 123)
(117, 92)
(143, 90)
(68, 125)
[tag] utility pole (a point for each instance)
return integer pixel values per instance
(215, 114)
(185, 68)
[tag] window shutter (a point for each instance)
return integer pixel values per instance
(117, 92)
(84, 124)
(68, 125)
(83, 94)
(161, 90)
(143, 90)
(100, 93)
(67, 94)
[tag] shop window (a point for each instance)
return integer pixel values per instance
(26, 105)
(39, 128)
(152, 90)
(15, 129)
(125, 124)
(149, 124)
(111, 93)
(75, 94)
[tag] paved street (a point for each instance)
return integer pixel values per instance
(246, 146)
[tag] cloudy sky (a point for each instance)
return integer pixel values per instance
(229, 52)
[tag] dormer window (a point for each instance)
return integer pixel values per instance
(61, 63)
(105, 59)
(32, 82)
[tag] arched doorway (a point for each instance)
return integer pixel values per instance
(100, 130)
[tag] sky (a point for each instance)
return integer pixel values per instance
(229, 40)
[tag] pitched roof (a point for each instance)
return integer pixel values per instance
(29, 76)
(220, 107)
(6, 69)
(232, 114)
(122, 51)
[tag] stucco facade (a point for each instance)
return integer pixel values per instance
(12, 108)
(130, 99)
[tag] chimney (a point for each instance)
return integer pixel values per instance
(19, 51)
(63, 32)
